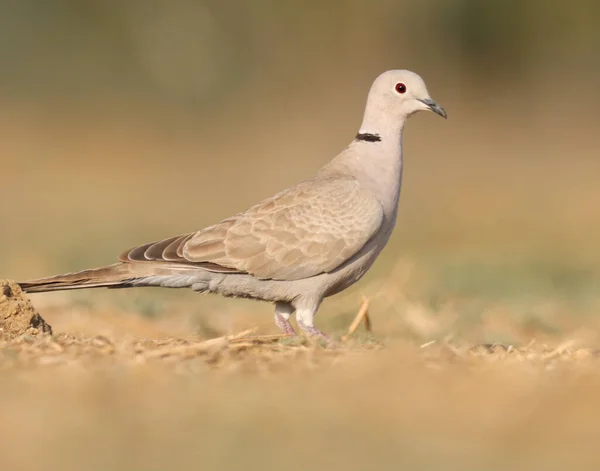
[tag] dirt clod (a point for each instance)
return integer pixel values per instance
(17, 314)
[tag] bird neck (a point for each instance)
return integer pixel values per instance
(374, 158)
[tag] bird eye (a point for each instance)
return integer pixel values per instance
(400, 88)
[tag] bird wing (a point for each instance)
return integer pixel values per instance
(311, 228)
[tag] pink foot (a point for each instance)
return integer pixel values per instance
(284, 325)
(317, 334)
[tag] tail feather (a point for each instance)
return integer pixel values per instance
(117, 275)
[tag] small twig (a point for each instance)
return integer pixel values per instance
(564, 347)
(261, 338)
(197, 347)
(363, 314)
(186, 350)
(367, 318)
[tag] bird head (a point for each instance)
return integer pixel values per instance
(402, 93)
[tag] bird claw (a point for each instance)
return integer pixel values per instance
(309, 331)
(317, 335)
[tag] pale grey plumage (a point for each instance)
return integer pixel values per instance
(306, 230)
(299, 246)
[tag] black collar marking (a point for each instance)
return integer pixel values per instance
(367, 136)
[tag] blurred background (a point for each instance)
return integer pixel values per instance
(124, 122)
(127, 122)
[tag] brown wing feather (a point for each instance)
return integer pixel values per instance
(168, 251)
(172, 251)
(136, 254)
(309, 229)
(157, 251)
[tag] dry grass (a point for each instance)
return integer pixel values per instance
(37, 349)
(138, 393)
(76, 402)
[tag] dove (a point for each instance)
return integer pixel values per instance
(303, 244)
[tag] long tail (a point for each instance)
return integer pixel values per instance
(118, 275)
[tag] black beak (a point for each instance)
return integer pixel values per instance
(433, 106)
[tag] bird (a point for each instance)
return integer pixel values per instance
(300, 246)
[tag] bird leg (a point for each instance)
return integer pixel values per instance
(283, 312)
(305, 319)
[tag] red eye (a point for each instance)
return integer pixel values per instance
(400, 88)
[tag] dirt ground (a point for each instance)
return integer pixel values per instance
(73, 401)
